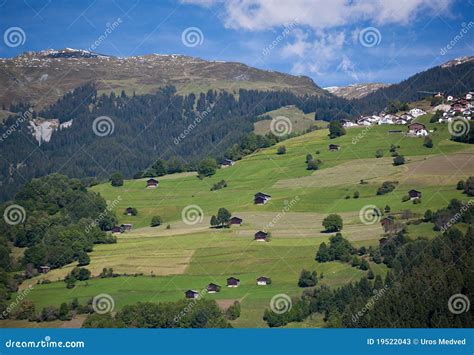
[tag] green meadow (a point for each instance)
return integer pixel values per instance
(171, 260)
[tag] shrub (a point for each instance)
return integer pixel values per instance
(332, 223)
(399, 160)
(336, 129)
(207, 167)
(219, 185)
(281, 150)
(428, 142)
(233, 312)
(387, 186)
(116, 179)
(155, 221)
(379, 153)
(469, 186)
(314, 164)
(307, 278)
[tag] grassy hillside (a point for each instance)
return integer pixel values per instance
(285, 176)
(300, 121)
(191, 256)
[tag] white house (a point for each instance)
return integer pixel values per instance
(263, 281)
(363, 121)
(348, 124)
(415, 112)
(417, 130)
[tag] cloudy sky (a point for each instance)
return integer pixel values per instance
(335, 42)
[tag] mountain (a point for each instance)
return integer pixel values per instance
(355, 91)
(457, 61)
(207, 110)
(43, 77)
(453, 77)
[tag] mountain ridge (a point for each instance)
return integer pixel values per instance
(26, 77)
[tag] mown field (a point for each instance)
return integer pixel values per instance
(300, 121)
(184, 256)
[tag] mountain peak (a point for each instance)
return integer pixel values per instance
(457, 61)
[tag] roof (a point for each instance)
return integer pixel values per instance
(233, 278)
(416, 125)
(152, 180)
(263, 278)
(262, 194)
(261, 233)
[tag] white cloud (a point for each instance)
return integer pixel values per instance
(255, 15)
(324, 28)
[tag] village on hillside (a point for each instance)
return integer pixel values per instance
(450, 106)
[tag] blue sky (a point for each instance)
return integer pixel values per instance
(335, 42)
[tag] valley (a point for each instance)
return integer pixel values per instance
(158, 264)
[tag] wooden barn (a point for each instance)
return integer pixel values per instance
(44, 269)
(191, 294)
(414, 194)
(261, 198)
(334, 147)
(129, 211)
(117, 229)
(152, 183)
(261, 236)
(126, 226)
(227, 162)
(213, 288)
(236, 220)
(233, 282)
(263, 281)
